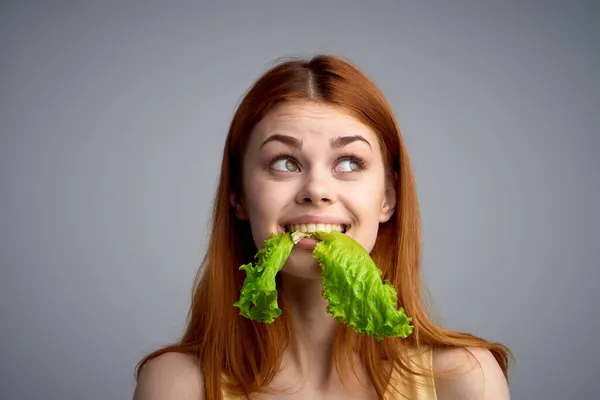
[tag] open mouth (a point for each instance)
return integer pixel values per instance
(311, 228)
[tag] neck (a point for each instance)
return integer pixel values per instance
(314, 330)
(309, 355)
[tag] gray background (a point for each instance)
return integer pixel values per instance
(113, 116)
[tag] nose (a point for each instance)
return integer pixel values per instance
(316, 189)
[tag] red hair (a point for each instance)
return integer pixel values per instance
(248, 354)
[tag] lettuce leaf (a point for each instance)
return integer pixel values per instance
(258, 297)
(353, 287)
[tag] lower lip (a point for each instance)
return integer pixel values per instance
(308, 244)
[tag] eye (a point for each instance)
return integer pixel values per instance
(285, 165)
(351, 164)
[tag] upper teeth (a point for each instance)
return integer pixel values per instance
(316, 227)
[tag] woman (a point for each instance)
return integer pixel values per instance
(315, 142)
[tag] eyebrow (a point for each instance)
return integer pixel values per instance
(335, 143)
(346, 140)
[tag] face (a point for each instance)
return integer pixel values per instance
(311, 163)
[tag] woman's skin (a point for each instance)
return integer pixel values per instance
(322, 180)
(307, 162)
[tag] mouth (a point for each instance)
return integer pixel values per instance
(312, 228)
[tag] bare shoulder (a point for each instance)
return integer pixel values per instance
(473, 373)
(170, 376)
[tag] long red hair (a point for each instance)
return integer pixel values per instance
(244, 356)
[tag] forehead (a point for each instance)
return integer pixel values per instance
(311, 120)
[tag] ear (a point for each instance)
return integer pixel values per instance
(388, 205)
(240, 208)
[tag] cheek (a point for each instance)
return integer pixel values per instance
(264, 204)
(265, 199)
(367, 235)
(365, 203)
(366, 199)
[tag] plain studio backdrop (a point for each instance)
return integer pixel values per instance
(113, 117)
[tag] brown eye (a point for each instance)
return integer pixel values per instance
(350, 165)
(285, 165)
(291, 166)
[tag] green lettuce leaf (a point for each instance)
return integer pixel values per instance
(258, 297)
(353, 287)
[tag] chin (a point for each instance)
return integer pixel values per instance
(302, 264)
